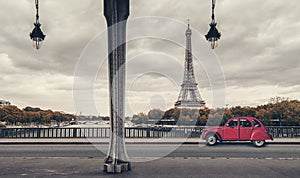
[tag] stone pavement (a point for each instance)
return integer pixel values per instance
(165, 167)
(128, 140)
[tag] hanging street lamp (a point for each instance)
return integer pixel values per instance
(213, 34)
(37, 36)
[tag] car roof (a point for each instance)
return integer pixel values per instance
(245, 117)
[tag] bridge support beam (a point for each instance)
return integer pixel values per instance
(116, 13)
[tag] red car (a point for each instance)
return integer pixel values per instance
(238, 129)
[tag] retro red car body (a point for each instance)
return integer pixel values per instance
(238, 129)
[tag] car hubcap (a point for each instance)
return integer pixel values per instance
(259, 143)
(211, 139)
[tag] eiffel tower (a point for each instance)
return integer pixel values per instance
(189, 96)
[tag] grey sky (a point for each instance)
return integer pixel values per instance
(259, 52)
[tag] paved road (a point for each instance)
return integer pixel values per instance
(189, 160)
(165, 168)
(154, 150)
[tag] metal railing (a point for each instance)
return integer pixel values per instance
(149, 132)
(284, 131)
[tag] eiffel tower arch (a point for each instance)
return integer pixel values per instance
(189, 96)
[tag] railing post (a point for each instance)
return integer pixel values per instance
(1, 133)
(38, 134)
(74, 132)
(148, 132)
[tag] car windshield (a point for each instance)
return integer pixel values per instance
(256, 123)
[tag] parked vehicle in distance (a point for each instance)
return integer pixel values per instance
(238, 129)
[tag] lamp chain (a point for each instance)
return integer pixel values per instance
(37, 10)
(213, 10)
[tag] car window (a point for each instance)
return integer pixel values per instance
(233, 123)
(245, 123)
(255, 123)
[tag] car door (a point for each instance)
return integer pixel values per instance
(231, 130)
(246, 129)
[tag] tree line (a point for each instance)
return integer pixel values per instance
(278, 112)
(12, 115)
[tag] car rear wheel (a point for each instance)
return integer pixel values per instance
(259, 143)
(211, 140)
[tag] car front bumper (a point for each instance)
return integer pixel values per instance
(271, 137)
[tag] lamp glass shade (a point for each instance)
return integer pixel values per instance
(213, 42)
(37, 42)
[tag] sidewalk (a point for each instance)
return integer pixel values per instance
(128, 141)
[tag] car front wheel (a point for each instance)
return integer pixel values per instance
(211, 140)
(259, 143)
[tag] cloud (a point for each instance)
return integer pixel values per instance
(257, 46)
(258, 50)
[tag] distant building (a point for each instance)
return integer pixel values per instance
(4, 103)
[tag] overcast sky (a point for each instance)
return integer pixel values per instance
(258, 52)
